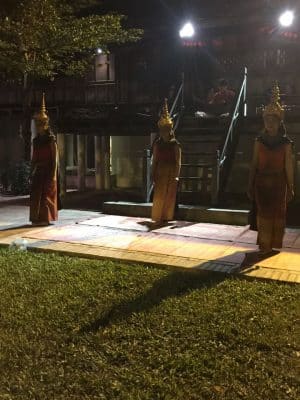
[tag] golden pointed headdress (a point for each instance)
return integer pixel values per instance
(165, 118)
(42, 114)
(274, 108)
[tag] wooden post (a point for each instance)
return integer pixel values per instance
(98, 166)
(81, 151)
(61, 144)
(215, 184)
(106, 161)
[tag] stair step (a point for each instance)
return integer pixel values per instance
(195, 192)
(183, 131)
(193, 178)
(203, 153)
(186, 212)
(198, 165)
(192, 118)
(198, 140)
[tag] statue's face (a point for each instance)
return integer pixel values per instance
(272, 124)
(165, 132)
(41, 126)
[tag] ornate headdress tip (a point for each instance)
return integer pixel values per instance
(165, 119)
(42, 115)
(274, 108)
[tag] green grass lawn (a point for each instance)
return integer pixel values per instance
(82, 329)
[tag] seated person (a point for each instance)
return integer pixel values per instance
(219, 101)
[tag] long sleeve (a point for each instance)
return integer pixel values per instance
(253, 166)
(154, 162)
(53, 150)
(289, 166)
(178, 160)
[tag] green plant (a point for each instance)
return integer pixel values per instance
(19, 178)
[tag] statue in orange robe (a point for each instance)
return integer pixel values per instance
(44, 188)
(271, 183)
(166, 163)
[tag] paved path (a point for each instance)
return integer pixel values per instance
(199, 246)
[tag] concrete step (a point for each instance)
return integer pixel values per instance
(195, 140)
(185, 212)
(193, 178)
(196, 130)
(197, 165)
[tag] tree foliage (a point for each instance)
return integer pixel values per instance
(44, 38)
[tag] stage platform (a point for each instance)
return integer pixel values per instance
(202, 247)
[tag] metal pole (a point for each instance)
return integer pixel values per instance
(245, 92)
(182, 92)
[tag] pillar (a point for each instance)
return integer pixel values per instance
(81, 152)
(106, 160)
(61, 144)
(98, 161)
(69, 150)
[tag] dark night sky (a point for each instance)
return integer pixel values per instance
(170, 14)
(145, 13)
(141, 13)
(149, 13)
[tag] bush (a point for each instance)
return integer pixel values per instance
(19, 178)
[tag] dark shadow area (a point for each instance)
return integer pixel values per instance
(175, 284)
(17, 227)
(254, 257)
(293, 214)
(183, 225)
(13, 201)
(230, 264)
(154, 225)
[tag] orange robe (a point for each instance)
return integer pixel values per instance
(270, 188)
(43, 195)
(165, 185)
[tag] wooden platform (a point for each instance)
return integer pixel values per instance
(197, 246)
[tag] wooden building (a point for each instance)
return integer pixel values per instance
(104, 121)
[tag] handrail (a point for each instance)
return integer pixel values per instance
(176, 99)
(235, 116)
(176, 112)
(223, 154)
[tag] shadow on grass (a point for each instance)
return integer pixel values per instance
(175, 284)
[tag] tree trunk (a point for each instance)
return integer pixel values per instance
(25, 125)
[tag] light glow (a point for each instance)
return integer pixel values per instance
(187, 31)
(287, 18)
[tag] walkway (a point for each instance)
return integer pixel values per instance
(197, 246)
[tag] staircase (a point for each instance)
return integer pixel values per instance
(201, 140)
(208, 149)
